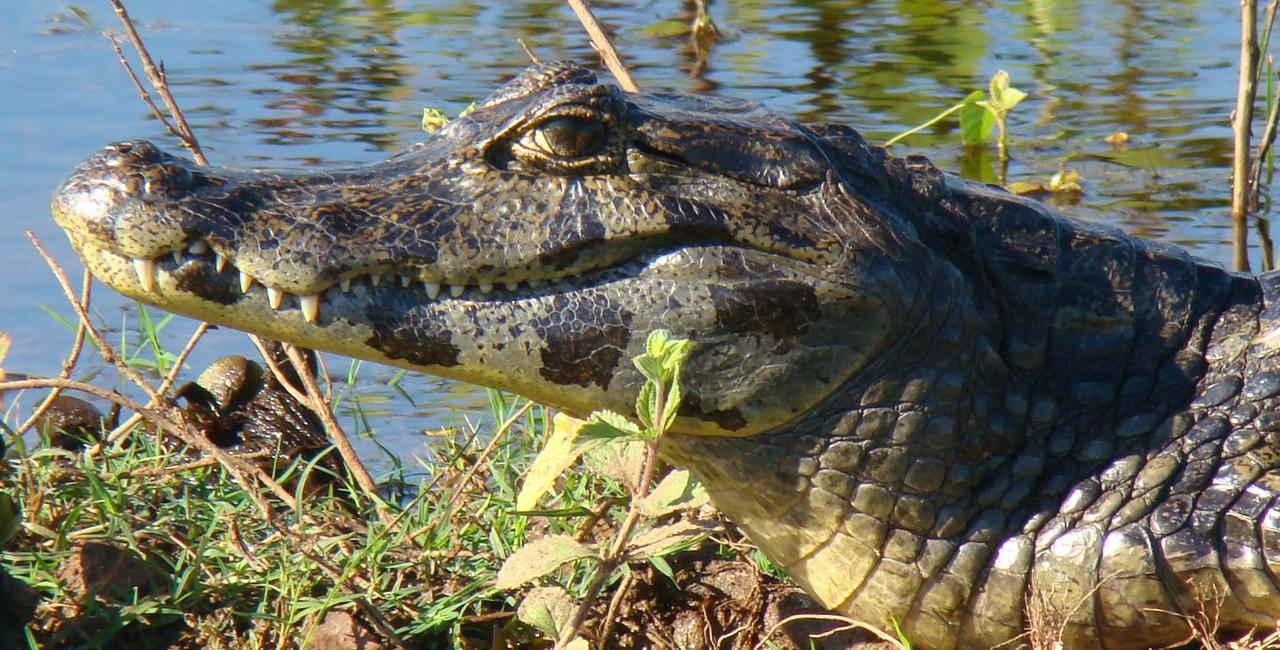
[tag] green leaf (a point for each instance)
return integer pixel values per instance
(650, 366)
(622, 461)
(674, 355)
(644, 405)
(1003, 96)
(547, 608)
(433, 119)
(540, 557)
(656, 341)
(672, 404)
(608, 425)
(676, 491)
(664, 568)
(668, 539)
(976, 120)
(561, 450)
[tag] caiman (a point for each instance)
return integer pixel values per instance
(931, 401)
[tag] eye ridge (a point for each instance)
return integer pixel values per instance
(570, 136)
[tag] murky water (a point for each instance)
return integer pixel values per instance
(328, 82)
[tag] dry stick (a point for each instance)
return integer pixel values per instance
(1242, 121)
(76, 346)
(180, 430)
(127, 426)
(1264, 146)
(614, 557)
(611, 613)
(528, 52)
(316, 402)
(484, 455)
(846, 623)
(160, 83)
(602, 45)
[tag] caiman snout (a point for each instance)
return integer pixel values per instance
(98, 200)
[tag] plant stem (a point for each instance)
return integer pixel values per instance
(941, 116)
(1241, 124)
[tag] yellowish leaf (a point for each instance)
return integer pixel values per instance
(561, 450)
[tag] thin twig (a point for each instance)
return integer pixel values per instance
(611, 613)
(1241, 124)
(600, 41)
(108, 353)
(142, 90)
(498, 436)
(846, 623)
(1264, 146)
(77, 345)
(128, 425)
(528, 52)
(316, 402)
(175, 423)
(158, 80)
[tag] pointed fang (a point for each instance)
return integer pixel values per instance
(275, 297)
(246, 282)
(146, 270)
(310, 307)
(405, 281)
(375, 279)
(457, 289)
(433, 289)
(345, 285)
(219, 262)
(486, 288)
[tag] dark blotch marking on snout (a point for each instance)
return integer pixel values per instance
(781, 308)
(582, 340)
(420, 346)
(728, 419)
(198, 277)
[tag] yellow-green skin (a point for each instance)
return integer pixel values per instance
(924, 398)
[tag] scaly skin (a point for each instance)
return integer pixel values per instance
(922, 397)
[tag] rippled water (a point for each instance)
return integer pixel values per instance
(325, 82)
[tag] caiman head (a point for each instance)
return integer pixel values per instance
(532, 244)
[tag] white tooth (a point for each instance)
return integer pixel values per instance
(375, 279)
(219, 262)
(457, 289)
(345, 285)
(177, 257)
(486, 288)
(310, 307)
(246, 282)
(536, 283)
(275, 297)
(146, 270)
(405, 281)
(433, 290)
(512, 286)
(198, 247)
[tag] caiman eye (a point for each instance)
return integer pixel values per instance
(567, 137)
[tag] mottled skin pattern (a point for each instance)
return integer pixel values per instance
(921, 396)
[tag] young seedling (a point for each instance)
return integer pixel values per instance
(979, 112)
(627, 451)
